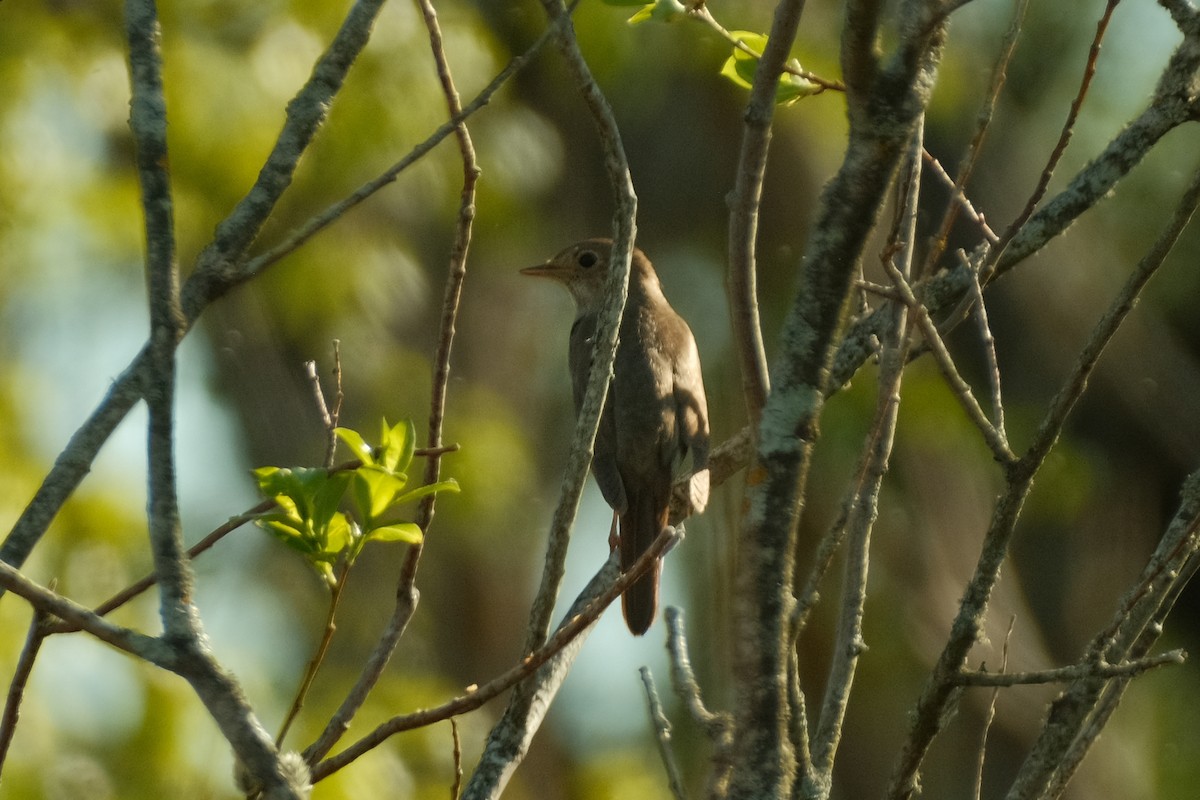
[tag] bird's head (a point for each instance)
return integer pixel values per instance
(582, 268)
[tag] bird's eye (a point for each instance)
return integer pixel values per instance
(587, 259)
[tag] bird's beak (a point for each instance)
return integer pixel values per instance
(547, 270)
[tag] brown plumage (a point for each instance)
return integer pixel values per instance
(654, 427)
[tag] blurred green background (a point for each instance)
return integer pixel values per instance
(98, 725)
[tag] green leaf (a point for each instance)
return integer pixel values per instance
(283, 528)
(374, 491)
(356, 443)
(624, 2)
(448, 485)
(341, 534)
(328, 497)
(295, 537)
(660, 11)
(741, 66)
(397, 445)
(398, 532)
(755, 41)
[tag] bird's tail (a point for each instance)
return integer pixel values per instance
(640, 526)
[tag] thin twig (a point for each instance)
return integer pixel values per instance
(1107, 327)
(339, 396)
(661, 726)
(456, 276)
(456, 787)
(699, 11)
(958, 202)
(990, 715)
(314, 664)
(876, 453)
(1060, 147)
(310, 370)
(983, 121)
(138, 587)
(799, 728)
(54, 604)
(1126, 669)
(962, 390)
(16, 688)
(335, 211)
(746, 197)
(989, 353)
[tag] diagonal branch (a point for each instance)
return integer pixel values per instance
(864, 506)
(744, 203)
(406, 592)
(510, 736)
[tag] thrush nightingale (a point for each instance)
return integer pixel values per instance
(654, 427)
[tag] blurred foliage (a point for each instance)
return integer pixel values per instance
(71, 316)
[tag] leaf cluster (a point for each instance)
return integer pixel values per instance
(310, 519)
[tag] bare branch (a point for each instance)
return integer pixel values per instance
(1126, 669)
(983, 121)
(744, 201)
(1079, 713)
(213, 276)
(989, 352)
(20, 679)
(990, 714)
(216, 267)
(1122, 305)
(662, 735)
(54, 604)
(993, 436)
(718, 726)
(456, 787)
(863, 509)
(1064, 138)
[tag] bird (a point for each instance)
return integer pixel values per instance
(654, 425)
